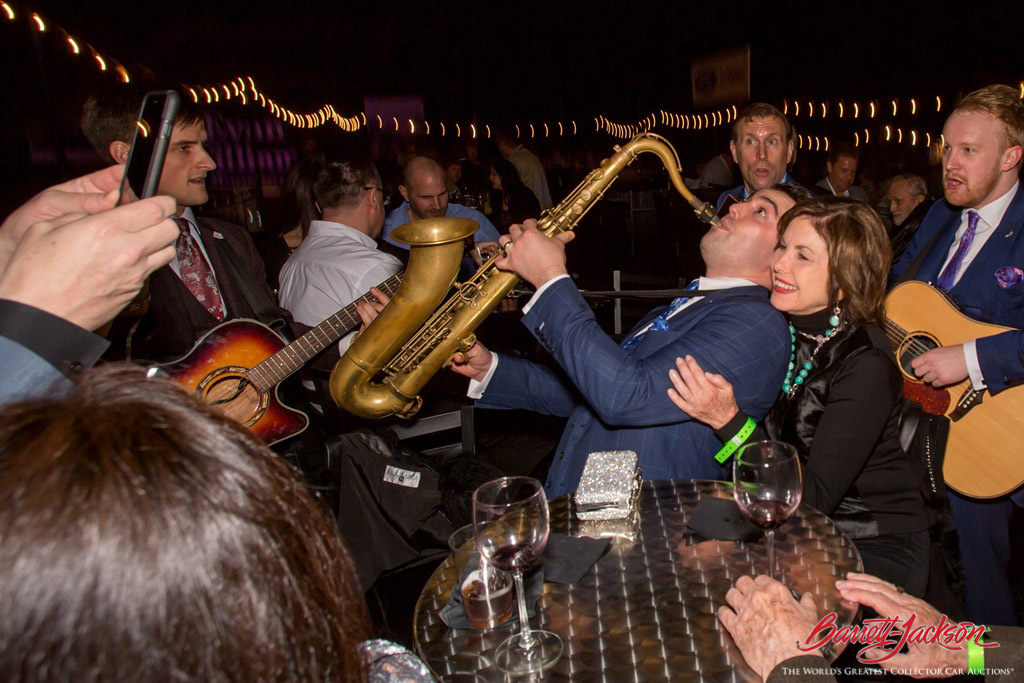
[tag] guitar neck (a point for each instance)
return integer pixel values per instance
(292, 357)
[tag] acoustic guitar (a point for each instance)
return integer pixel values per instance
(983, 457)
(237, 366)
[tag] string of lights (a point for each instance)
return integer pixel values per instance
(244, 91)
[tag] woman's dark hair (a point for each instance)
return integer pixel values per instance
(508, 173)
(859, 253)
(147, 539)
(300, 208)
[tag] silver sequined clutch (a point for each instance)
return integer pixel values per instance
(609, 486)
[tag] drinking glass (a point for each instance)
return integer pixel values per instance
(510, 517)
(487, 594)
(767, 486)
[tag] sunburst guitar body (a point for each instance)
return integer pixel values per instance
(983, 455)
(237, 367)
(224, 370)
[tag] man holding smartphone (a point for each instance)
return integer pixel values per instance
(216, 273)
(69, 261)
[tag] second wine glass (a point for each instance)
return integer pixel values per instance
(768, 486)
(510, 518)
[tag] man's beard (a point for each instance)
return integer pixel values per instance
(969, 194)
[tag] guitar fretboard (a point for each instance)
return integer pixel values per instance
(292, 357)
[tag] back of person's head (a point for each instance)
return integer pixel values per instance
(109, 115)
(342, 184)
(760, 110)
(843, 149)
(1002, 103)
(146, 539)
(859, 252)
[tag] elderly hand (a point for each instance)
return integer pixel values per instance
(702, 395)
(536, 257)
(766, 622)
(88, 194)
(86, 268)
(927, 660)
(942, 366)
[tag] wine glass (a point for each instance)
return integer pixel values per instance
(767, 486)
(510, 519)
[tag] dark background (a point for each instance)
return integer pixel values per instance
(498, 62)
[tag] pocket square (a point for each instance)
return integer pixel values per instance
(1009, 276)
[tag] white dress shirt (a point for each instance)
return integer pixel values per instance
(477, 389)
(335, 265)
(989, 218)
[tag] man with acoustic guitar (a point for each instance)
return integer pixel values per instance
(216, 273)
(972, 246)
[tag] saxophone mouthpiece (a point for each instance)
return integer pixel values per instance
(707, 214)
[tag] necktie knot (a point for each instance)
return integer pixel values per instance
(972, 220)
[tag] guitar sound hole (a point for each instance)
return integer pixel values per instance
(912, 348)
(235, 397)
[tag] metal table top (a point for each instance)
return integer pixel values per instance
(647, 610)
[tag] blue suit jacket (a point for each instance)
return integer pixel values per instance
(978, 292)
(26, 374)
(617, 399)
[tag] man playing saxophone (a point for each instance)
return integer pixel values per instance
(615, 395)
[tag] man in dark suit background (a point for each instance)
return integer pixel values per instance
(972, 245)
(216, 274)
(841, 172)
(615, 395)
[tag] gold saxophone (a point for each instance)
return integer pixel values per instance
(366, 383)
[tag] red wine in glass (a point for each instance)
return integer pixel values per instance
(510, 522)
(517, 556)
(767, 514)
(767, 486)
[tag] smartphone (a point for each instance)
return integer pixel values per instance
(149, 145)
(727, 204)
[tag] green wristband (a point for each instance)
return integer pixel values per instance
(975, 657)
(735, 442)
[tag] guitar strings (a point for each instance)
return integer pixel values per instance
(271, 371)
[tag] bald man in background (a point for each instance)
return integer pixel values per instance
(426, 196)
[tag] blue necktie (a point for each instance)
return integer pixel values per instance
(661, 322)
(948, 276)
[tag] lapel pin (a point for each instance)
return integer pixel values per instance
(218, 235)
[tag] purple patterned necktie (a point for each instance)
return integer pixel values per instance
(196, 272)
(948, 276)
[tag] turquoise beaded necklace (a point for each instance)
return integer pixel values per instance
(795, 378)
